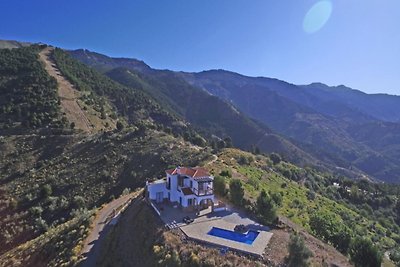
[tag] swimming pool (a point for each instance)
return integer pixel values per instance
(234, 236)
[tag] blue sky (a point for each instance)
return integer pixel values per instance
(358, 45)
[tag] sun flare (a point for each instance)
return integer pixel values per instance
(317, 16)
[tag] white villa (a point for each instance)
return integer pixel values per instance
(191, 188)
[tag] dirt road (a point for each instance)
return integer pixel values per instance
(105, 218)
(67, 93)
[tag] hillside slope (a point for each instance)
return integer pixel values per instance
(321, 122)
(383, 107)
(12, 44)
(209, 114)
(52, 175)
(70, 99)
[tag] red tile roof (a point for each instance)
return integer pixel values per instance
(195, 172)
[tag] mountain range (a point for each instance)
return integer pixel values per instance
(336, 128)
(80, 130)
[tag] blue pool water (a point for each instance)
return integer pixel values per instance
(238, 237)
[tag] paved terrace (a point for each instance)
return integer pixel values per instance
(198, 230)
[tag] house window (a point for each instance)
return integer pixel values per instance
(169, 183)
(180, 201)
(190, 202)
(191, 184)
(180, 181)
(201, 186)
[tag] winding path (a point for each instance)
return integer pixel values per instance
(105, 218)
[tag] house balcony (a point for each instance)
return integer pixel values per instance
(203, 192)
(190, 191)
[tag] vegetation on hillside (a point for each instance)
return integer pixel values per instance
(215, 119)
(335, 209)
(97, 89)
(69, 175)
(28, 95)
(337, 125)
(51, 180)
(298, 252)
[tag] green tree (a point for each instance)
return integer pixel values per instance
(120, 126)
(236, 191)
(276, 158)
(277, 198)
(226, 173)
(364, 254)
(172, 259)
(199, 141)
(243, 160)
(228, 142)
(220, 185)
(397, 210)
(266, 208)
(78, 202)
(46, 191)
(331, 229)
(298, 252)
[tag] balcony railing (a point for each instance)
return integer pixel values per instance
(203, 192)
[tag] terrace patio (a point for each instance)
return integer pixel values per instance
(206, 220)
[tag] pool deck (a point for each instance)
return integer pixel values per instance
(203, 223)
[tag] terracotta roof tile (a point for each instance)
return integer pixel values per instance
(196, 172)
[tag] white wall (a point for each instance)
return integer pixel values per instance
(174, 184)
(186, 182)
(195, 184)
(199, 199)
(154, 188)
(174, 194)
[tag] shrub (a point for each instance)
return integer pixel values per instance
(328, 227)
(277, 198)
(395, 255)
(173, 259)
(276, 158)
(236, 191)
(120, 126)
(13, 204)
(220, 185)
(243, 160)
(36, 211)
(298, 252)
(226, 173)
(311, 195)
(79, 202)
(41, 225)
(126, 191)
(46, 191)
(209, 262)
(194, 260)
(364, 254)
(228, 142)
(266, 208)
(199, 141)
